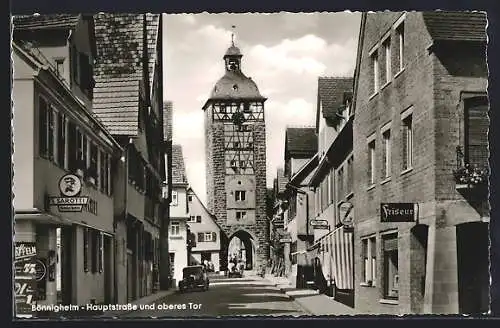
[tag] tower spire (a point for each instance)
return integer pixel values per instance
(232, 35)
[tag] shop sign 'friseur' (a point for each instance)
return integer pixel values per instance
(397, 212)
(70, 200)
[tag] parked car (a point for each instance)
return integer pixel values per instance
(194, 277)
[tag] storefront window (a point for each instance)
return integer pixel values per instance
(391, 277)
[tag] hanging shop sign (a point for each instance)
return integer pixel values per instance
(70, 200)
(397, 212)
(345, 212)
(25, 265)
(286, 238)
(320, 224)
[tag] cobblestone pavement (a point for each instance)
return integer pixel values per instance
(226, 297)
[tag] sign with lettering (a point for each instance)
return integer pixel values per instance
(25, 277)
(397, 212)
(70, 186)
(319, 224)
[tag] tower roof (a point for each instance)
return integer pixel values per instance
(235, 85)
(233, 51)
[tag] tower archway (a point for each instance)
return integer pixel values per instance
(242, 247)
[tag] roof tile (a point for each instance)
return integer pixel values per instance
(50, 21)
(178, 167)
(168, 109)
(456, 26)
(301, 140)
(119, 70)
(333, 92)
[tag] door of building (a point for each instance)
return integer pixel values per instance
(130, 276)
(473, 267)
(108, 270)
(66, 263)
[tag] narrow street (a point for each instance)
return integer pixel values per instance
(226, 297)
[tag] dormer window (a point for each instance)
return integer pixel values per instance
(82, 70)
(59, 66)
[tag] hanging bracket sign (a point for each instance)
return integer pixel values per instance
(320, 224)
(70, 186)
(345, 210)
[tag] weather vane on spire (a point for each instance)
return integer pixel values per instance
(232, 35)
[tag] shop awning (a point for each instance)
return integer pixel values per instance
(40, 217)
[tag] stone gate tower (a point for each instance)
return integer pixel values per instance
(236, 161)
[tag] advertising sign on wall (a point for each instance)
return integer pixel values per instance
(397, 212)
(26, 272)
(70, 186)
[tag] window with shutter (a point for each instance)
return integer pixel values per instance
(61, 140)
(407, 142)
(42, 126)
(93, 162)
(86, 249)
(84, 71)
(95, 250)
(198, 218)
(476, 131)
(72, 147)
(50, 132)
(101, 251)
(74, 65)
(214, 236)
(200, 237)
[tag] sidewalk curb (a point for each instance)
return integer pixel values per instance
(150, 300)
(290, 297)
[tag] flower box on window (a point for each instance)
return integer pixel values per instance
(470, 176)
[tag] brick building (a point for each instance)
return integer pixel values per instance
(421, 115)
(236, 161)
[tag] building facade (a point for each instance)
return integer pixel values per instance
(62, 155)
(179, 215)
(301, 145)
(332, 181)
(298, 224)
(164, 268)
(236, 161)
(420, 148)
(128, 99)
(203, 225)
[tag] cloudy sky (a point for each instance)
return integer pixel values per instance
(284, 53)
